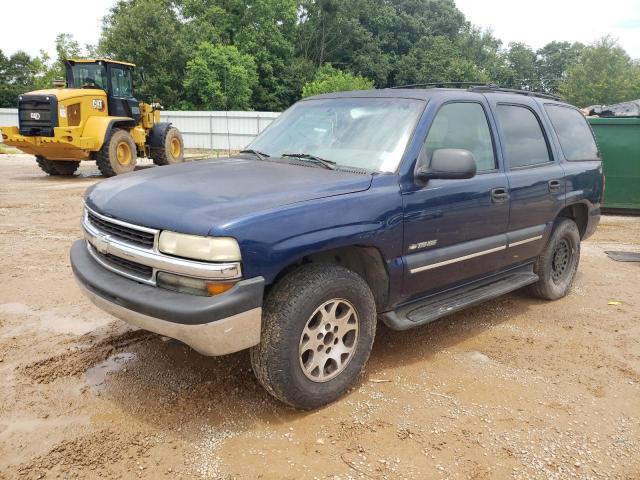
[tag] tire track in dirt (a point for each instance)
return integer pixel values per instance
(78, 361)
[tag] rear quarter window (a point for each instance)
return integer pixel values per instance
(574, 134)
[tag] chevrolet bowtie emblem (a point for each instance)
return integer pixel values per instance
(101, 243)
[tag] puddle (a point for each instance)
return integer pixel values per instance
(97, 375)
(479, 357)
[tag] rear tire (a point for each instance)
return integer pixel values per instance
(318, 327)
(118, 154)
(558, 263)
(57, 167)
(172, 150)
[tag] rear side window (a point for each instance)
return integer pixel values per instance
(462, 125)
(524, 140)
(573, 132)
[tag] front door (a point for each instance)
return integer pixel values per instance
(120, 93)
(455, 230)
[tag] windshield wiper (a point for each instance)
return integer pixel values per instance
(257, 153)
(330, 164)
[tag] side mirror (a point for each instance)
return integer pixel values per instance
(448, 163)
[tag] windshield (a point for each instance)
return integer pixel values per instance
(369, 133)
(87, 75)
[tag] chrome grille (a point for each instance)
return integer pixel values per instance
(132, 268)
(129, 235)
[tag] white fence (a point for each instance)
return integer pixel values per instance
(205, 130)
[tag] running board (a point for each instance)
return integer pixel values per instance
(427, 310)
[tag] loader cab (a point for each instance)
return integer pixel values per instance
(115, 78)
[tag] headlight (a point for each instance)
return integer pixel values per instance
(210, 249)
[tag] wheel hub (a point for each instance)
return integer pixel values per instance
(328, 340)
(175, 148)
(123, 154)
(561, 260)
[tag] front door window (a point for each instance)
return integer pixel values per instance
(121, 84)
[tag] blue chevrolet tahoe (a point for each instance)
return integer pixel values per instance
(402, 205)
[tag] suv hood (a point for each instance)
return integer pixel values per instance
(196, 197)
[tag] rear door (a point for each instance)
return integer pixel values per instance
(454, 230)
(536, 178)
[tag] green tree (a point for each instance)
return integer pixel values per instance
(329, 79)
(220, 78)
(371, 36)
(437, 59)
(604, 74)
(19, 74)
(522, 72)
(554, 59)
(149, 34)
(264, 29)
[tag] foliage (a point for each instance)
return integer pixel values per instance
(149, 34)
(370, 36)
(437, 59)
(603, 75)
(278, 50)
(329, 79)
(220, 78)
(19, 73)
(554, 59)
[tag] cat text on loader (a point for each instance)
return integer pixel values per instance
(94, 117)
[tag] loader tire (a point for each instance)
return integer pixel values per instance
(118, 154)
(57, 167)
(172, 150)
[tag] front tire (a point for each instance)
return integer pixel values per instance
(318, 327)
(172, 150)
(557, 265)
(118, 154)
(57, 167)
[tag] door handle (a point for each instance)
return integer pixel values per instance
(499, 195)
(554, 185)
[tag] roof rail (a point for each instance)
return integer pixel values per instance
(442, 84)
(480, 87)
(496, 89)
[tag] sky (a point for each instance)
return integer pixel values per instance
(540, 22)
(535, 24)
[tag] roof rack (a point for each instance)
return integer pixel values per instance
(480, 87)
(442, 84)
(496, 89)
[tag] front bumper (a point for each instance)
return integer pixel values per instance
(217, 325)
(65, 144)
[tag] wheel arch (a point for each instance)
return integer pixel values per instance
(579, 213)
(366, 261)
(101, 127)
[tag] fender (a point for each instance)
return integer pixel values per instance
(100, 128)
(157, 133)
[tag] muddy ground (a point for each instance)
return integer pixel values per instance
(517, 388)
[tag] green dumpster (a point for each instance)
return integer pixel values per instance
(619, 142)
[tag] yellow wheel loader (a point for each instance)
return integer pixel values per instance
(93, 117)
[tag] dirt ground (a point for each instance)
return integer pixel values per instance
(517, 388)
